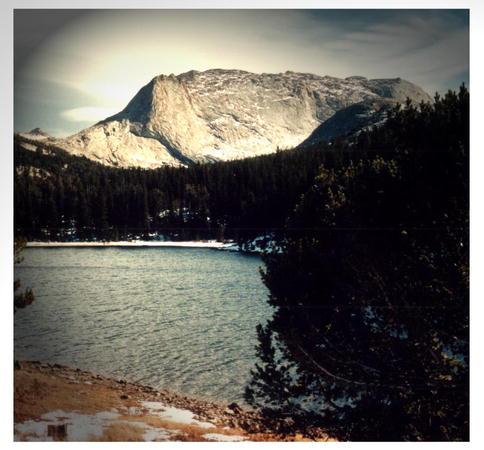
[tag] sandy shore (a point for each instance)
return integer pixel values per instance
(57, 403)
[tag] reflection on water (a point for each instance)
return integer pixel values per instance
(181, 319)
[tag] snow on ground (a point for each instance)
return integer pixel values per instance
(260, 244)
(173, 414)
(83, 427)
(223, 437)
(80, 427)
(86, 427)
(152, 434)
(28, 146)
(187, 244)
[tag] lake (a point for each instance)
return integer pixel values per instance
(174, 318)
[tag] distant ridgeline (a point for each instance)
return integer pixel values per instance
(58, 196)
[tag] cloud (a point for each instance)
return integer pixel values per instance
(89, 114)
(428, 49)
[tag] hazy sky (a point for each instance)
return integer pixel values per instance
(75, 67)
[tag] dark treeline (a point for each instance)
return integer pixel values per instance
(61, 196)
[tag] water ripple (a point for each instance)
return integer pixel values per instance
(182, 319)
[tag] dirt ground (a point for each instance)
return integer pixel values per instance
(57, 403)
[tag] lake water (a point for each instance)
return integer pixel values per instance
(181, 319)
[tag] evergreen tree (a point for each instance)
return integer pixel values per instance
(23, 298)
(371, 291)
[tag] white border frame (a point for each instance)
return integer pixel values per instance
(6, 185)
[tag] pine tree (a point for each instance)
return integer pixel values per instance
(26, 297)
(371, 291)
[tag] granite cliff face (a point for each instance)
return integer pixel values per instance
(226, 114)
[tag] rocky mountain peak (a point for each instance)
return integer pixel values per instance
(38, 132)
(35, 134)
(222, 114)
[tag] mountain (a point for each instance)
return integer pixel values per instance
(225, 114)
(28, 139)
(36, 135)
(352, 119)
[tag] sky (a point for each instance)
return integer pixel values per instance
(76, 67)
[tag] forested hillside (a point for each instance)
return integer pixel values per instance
(59, 196)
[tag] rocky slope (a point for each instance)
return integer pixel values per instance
(351, 120)
(225, 114)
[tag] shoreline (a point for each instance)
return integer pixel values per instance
(177, 244)
(53, 402)
(60, 403)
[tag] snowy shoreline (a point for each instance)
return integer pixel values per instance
(69, 400)
(260, 244)
(185, 244)
(79, 405)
